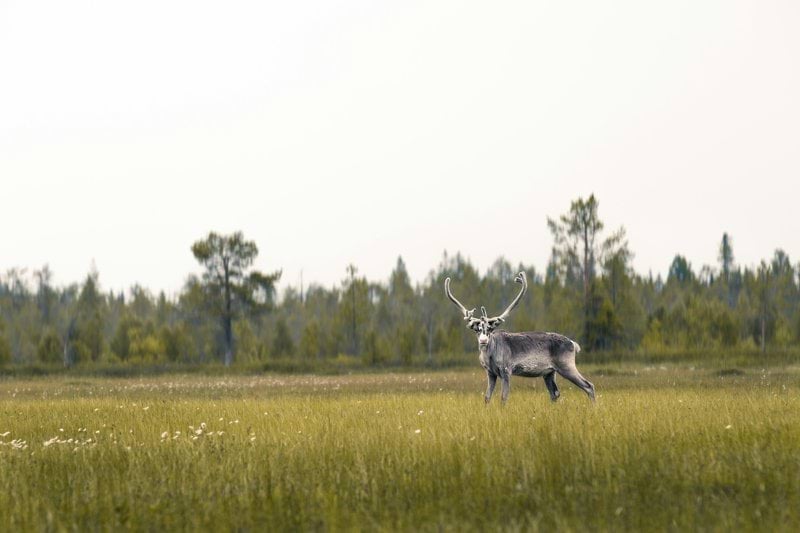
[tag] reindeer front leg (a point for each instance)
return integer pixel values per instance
(506, 386)
(492, 378)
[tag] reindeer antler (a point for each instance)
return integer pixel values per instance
(497, 320)
(467, 313)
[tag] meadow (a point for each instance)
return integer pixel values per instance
(666, 447)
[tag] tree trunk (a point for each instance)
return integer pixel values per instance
(67, 338)
(227, 325)
(353, 294)
(430, 340)
(227, 317)
(587, 304)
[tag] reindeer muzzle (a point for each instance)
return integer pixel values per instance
(483, 340)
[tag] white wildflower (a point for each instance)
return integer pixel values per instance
(165, 435)
(417, 431)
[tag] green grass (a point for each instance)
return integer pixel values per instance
(663, 448)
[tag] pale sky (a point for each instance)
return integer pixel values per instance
(332, 132)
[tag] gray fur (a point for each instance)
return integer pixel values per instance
(530, 354)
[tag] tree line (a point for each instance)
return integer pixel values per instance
(230, 313)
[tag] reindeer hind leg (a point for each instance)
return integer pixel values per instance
(571, 373)
(552, 388)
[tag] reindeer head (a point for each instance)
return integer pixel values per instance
(485, 325)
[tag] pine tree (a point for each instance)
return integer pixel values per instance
(578, 248)
(229, 282)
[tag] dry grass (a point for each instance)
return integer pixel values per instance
(664, 448)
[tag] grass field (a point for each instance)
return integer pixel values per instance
(672, 448)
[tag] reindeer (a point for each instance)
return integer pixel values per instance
(530, 354)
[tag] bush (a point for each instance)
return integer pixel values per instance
(282, 344)
(49, 349)
(5, 351)
(375, 350)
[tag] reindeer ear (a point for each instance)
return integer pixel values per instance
(494, 323)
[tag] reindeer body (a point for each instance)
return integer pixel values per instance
(528, 354)
(531, 354)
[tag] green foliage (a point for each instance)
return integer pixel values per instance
(229, 284)
(175, 342)
(605, 329)
(588, 291)
(375, 348)
(282, 344)
(680, 270)
(578, 248)
(653, 339)
(353, 311)
(406, 341)
(121, 343)
(310, 342)
(5, 350)
(50, 350)
(247, 343)
(700, 324)
(726, 257)
(145, 342)
(89, 338)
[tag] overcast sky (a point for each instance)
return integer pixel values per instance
(333, 132)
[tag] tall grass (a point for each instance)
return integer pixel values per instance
(662, 449)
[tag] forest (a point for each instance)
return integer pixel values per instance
(231, 315)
